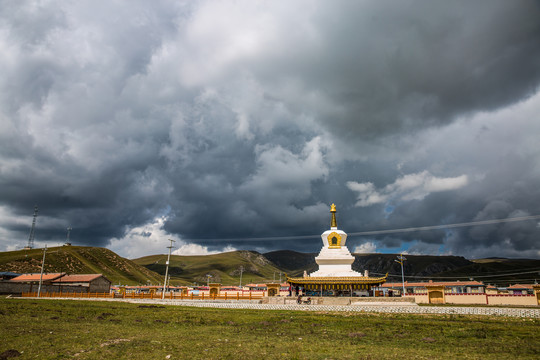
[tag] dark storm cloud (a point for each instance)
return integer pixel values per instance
(388, 68)
(205, 120)
(502, 184)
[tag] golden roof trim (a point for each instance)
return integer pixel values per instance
(337, 280)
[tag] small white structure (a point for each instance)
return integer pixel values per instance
(334, 260)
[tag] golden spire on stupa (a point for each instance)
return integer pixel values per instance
(333, 211)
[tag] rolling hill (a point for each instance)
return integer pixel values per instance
(499, 271)
(294, 263)
(422, 267)
(79, 260)
(224, 268)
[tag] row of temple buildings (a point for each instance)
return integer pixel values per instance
(383, 290)
(89, 283)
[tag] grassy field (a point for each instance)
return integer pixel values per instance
(58, 329)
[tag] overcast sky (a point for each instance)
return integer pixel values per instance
(214, 122)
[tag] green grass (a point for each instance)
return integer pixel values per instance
(58, 329)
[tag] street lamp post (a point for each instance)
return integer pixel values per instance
(42, 268)
(167, 269)
(241, 270)
(400, 261)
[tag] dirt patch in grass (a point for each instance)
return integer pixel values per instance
(104, 315)
(11, 353)
(113, 342)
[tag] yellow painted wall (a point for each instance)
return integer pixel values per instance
(419, 298)
(512, 300)
(479, 299)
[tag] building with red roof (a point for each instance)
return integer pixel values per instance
(521, 289)
(56, 282)
(46, 278)
(87, 282)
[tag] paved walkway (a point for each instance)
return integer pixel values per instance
(459, 310)
(401, 309)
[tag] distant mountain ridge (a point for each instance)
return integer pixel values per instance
(292, 262)
(414, 265)
(423, 267)
(377, 264)
(225, 268)
(233, 268)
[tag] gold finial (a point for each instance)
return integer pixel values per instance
(333, 211)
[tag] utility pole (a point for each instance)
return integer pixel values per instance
(208, 276)
(41, 276)
(400, 261)
(167, 269)
(241, 271)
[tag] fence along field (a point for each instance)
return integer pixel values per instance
(151, 295)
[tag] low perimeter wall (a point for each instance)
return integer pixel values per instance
(465, 299)
(512, 299)
(317, 300)
(479, 299)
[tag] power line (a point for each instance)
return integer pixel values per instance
(504, 275)
(447, 226)
(529, 269)
(512, 280)
(380, 232)
(460, 277)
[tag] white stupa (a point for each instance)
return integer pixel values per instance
(335, 272)
(334, 260)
